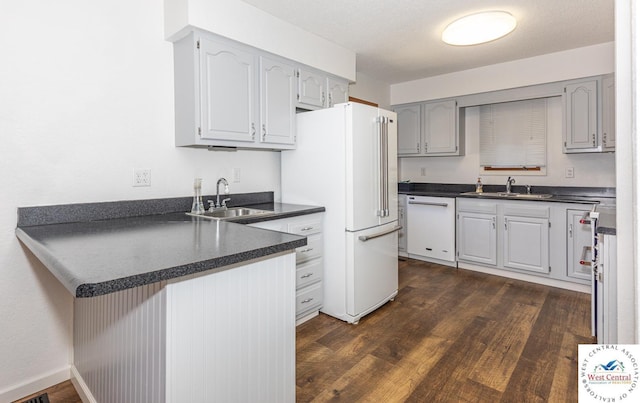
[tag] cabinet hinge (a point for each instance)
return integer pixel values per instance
(199, 131)
(198, 44)
(297, 73)
(565, 144)
(549, 224)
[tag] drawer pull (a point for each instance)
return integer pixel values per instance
(306, 229)
(306, 250)
(306, 275)
(306, 301)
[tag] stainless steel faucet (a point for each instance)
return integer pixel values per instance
(510, 181)
(226, 191)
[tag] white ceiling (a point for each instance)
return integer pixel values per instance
(399, 40)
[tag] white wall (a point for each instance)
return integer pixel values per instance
(590, 169)
(559, 66)
(86, 96)
(372, 90)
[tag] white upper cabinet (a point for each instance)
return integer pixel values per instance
(227, 88)
(608, 113)
(581, 106)
(430, 129)
(590, 115)
(230, 95)
(316, 90)
(277, 102)
(337, 92)
(439, 128)
(311, 88)
(409, 125)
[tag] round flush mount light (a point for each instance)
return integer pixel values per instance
(479, 28)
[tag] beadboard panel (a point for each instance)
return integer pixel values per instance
(119, 344)
(233, 334)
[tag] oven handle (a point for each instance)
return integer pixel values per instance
(365, 238)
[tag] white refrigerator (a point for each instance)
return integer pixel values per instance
(346, 161)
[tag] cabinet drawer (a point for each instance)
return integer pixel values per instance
(305, 227)
(311, 250)
(308, 298)
(308, 273)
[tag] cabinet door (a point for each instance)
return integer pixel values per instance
(526, 243)
(338, 92)
(439, 128)
(581, 115)
(578, 245)
(477, 238)
(608, 113)
(227, 92)
(277, 99)
(311, 88)
(431, 227)
(408, 130)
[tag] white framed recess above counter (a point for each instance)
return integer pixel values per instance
(437, 127)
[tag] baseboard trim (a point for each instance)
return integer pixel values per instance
(81, 387)
(35, 385)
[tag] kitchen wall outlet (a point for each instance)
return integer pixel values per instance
(141, 177)
(568, 172)
(423, 171)
(235, 175)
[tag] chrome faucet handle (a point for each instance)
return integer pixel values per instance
(224, 202)
(528, 189)
(212, 205)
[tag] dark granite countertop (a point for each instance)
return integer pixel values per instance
(116, 252)
(561, 194)
(606, 221)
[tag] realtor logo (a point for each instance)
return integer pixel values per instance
(608, 373)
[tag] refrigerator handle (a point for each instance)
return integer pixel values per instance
(365, 238)
(383, 144)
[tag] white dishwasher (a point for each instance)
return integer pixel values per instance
(431, 228)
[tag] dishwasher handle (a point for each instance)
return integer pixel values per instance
(365, 238)
(429, 203)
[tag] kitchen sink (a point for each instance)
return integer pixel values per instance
(231, 213)
(532, 196)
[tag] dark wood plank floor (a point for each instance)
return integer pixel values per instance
(450, 336)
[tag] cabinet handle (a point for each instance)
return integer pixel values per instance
(570, 230)
(418, 147)
(429, 249)
(306, 275)
(306, 250)
(593, 136)
(330, 100)
(306, 229)
(264, 131)
(505, 224)
(253, 131)
(306, 301)
(323, 98)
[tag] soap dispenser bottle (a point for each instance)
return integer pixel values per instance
(198, 206)
(479, 186)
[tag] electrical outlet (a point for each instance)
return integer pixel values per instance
(423, 171)
(568, 172)
(141, 177)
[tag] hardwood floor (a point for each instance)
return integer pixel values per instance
(450, 336)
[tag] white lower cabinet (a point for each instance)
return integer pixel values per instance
(578, 244)
(309, 261)
(545, 239)
(526, 240)
(477, 239)
(431, 227)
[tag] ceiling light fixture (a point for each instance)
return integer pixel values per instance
(479, 28)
